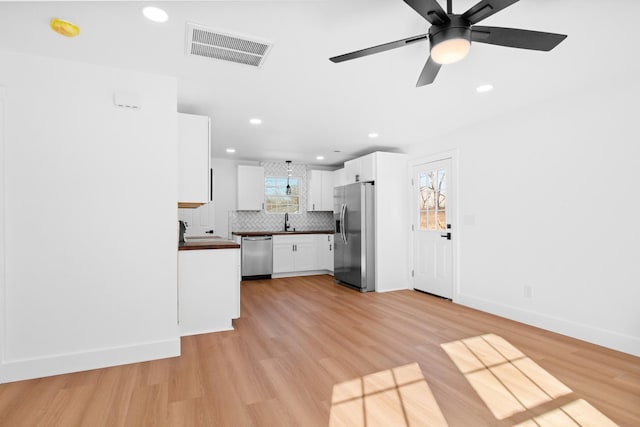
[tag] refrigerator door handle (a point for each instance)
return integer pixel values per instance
(341, 223)
(343, 215)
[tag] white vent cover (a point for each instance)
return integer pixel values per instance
(210, 43)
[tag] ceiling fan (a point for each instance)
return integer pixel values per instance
(451, 35)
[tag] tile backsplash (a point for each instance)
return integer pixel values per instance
(262, 221)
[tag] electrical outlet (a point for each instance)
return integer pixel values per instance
(528, 291)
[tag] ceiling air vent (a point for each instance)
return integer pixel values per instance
(210, 43)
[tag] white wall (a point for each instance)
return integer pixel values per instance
(548, 199)
(225, 192)
(90, 277)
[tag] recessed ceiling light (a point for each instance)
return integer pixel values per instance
(230, 150)
(255, 121)
(373, 135)
(155, 14)
(319, 157)
(484, 88)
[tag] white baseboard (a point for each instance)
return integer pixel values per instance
(300, 273)
(606, 338)
(218, 328)
(17, 370)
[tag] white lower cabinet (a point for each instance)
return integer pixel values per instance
(294, 253)
(325, 251)
(209, 290)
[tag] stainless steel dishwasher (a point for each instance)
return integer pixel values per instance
(257, 257)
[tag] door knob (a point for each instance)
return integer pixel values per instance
(448, 235)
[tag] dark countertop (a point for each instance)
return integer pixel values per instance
(280, 233)
(217, 244)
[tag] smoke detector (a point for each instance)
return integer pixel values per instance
(225, 46)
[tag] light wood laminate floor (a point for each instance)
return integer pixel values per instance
(301, 342)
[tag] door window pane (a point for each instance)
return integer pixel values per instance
(433, 200)
(441, 192)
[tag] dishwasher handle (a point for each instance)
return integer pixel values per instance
(256, 239)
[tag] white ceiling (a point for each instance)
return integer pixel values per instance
(311, 106)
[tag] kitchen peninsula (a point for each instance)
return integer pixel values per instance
(209, 285)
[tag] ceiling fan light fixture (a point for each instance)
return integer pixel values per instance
(450, 51)
(451, 42)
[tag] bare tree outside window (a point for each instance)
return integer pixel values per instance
(276, 198)
(433, 200)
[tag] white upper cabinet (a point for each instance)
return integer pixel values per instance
(194, 157)
(361, 169)
(339, 178)
(250, 188)
(320, 194)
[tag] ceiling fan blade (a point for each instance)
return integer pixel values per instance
(377, 49)
(484, 9)
(512, 37)
(429, 73)
(429, 10)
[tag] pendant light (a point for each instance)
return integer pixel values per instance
(288, 176)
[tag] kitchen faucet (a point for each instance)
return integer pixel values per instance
(286, 221)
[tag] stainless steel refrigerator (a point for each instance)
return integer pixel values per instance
(354, 240)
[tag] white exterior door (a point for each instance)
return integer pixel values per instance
(432, 233)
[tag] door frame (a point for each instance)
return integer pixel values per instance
(454, 218)
(3, 287)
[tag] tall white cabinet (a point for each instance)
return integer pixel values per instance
(194, 160)
(389, 171)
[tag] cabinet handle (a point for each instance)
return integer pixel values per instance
(329, 247)
(314, 207)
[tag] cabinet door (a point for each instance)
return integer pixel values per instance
(194, 156)
(250, 188)
(324, 248)
(283, 255)
(327, 191)
(351, 170)
(339, 178)
(305, 257)
(320, 194)
(329, 259)
(314, 194)
(368, 167)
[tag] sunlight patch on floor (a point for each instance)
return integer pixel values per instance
(577, 413)
(510, 383)
(394, 397)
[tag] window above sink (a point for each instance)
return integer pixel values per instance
(275, 194)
